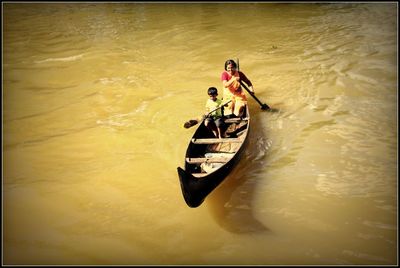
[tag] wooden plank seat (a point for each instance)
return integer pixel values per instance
(215, 140)
(235, 120)
(207, 160)
(199, 175)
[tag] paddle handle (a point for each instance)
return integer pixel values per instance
(263, 105)
(194, 122)
(217, 108)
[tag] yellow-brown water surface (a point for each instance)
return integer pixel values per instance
(94, 99)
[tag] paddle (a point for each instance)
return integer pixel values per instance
(193, 122)
(264, 106)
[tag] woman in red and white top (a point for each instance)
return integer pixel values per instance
(232, 90)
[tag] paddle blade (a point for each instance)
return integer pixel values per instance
(265, 107)
(190, 123)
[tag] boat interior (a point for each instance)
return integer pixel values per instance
(206, 153)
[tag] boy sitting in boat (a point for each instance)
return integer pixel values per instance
(214, 120)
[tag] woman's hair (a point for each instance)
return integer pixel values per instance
(212, 91)
(230, 62)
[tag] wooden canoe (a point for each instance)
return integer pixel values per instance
(209, 160)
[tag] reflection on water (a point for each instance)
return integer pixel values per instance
(94, 98)
(232, 203)
(232, 208)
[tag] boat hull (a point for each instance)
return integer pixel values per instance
(195, 189)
